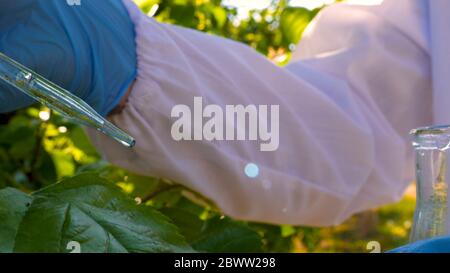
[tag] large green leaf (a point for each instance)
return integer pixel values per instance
(87, 210)
(190, 223)
(13, 207)
(217, 234)
(222, 234)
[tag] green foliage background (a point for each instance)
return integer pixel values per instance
(108, 209)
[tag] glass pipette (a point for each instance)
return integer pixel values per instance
(58, 99)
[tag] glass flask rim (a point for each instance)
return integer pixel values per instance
(431, 137)
(431, 130)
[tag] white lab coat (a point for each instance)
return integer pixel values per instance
(360, 80)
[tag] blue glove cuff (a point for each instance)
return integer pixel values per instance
(435, 245)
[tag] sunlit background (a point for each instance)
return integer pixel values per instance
(246, 5)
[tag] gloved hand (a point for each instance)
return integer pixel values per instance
(435, 245)
(89, 49)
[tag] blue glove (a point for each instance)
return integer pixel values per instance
(88, 49)
(435, 245)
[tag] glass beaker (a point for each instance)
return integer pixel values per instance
(431, 217)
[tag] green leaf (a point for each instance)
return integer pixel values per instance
(82, 142)
(64, 164)
(23, 142)
(183, 15)
(216, 234)
(293, 22)
(189, 223)
(46, 171)
(13, 207)
(88, 210)
(220, 15)
(221, 234)
(141, 186)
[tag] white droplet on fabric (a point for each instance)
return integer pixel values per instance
(251, 170)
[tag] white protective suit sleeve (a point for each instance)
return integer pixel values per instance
(359, 82)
